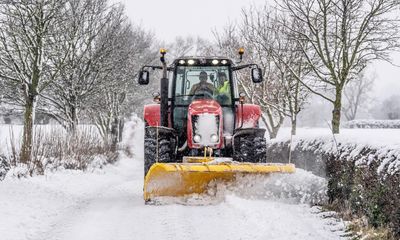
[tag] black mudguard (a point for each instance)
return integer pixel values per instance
(255, 132)
(164, 131)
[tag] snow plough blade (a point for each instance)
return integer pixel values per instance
(178, 179)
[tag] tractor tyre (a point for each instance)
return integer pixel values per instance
(150, 148)
(243, 152)
(161, 152)
(260, 149)
(250, 149)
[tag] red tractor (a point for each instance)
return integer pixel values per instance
(199, 125)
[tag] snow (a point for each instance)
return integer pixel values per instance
(107, 204)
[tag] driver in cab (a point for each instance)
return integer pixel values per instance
(203, 85)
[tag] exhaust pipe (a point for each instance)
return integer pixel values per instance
(164, 91)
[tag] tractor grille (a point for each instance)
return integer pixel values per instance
(205, 125)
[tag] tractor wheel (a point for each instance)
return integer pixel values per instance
(150, 146)
(260, 149)
(164, 153)
(243, 150)
(250, 149)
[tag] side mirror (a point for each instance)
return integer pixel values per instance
(256, 75)
(144, 76)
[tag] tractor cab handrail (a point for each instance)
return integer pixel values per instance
(251, 65)
(156, 67)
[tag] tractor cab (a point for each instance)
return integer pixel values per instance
(202, 81)
(201, 93)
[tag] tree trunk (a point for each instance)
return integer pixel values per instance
(336, 113)
(73, 111)
(121, 129)
(27, 136)
(271, 126)
(274, 132)
(294, 125)
(115, 133)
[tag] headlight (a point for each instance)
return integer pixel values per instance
(197, 138)
(214, 138)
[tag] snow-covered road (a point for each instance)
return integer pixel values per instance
(108, 204)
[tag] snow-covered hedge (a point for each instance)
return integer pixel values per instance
(367, 123)
(362, 178)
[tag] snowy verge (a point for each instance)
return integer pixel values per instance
(362, 167)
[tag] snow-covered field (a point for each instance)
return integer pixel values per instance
(107, 204)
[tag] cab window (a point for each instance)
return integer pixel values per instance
(202, 82)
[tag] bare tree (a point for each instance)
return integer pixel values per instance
(269, 45)
(27, 38)
(392, 107)
(132, 47)
(268, 95)
(345, 35)
(184, 46)
(357, 95)
(287, 56)
(389, 108)
(181, 46)
(86, 23)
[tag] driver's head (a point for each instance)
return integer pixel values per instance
(221, 78)
(203, 77)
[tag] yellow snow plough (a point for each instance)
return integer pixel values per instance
(200, 131)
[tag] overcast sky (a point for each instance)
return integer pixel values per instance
(171, 18)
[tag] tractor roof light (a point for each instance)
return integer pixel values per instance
(224, 62)
(182, 62)
(190, 61)
(215, 62)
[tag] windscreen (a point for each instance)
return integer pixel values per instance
(202, 82)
